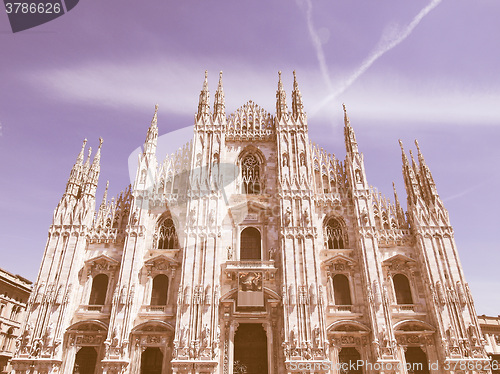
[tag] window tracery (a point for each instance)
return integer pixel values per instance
(167, 236)
(250, 173)
(335, 235)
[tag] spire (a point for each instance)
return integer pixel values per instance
(297, 105)
(86, 166)
(281, 107)
(152, 135)
(204, 103)
(76, 174)
(79, 159)
(219, 102)
(399, 210)
(97, 157)
(350, 138)
(411, 182)
(426, 177)
(105, 196)
(102, 207)
(92, 172)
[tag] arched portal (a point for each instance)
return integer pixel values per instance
(348, 358)
(250, 349)
(85, 361)
(416, 361)
(151, 361)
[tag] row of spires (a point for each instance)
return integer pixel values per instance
(84, 176)
(418, 178)
(220, 106)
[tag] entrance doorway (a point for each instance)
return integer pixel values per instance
(151, 361)
(348, 358)
(85, 361)
(250, 349)
(416, 361)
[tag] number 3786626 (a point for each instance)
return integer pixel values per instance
(33, 8)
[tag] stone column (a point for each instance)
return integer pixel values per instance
(69, 359)
(232, 332)
(270, 357)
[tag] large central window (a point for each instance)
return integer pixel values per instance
(250, 174)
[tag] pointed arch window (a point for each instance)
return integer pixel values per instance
(335, 235)
(250, 244)
(167, 236)
(99, 290)
(160, 290)
(250, 173)
(402, 289)
(341, 290)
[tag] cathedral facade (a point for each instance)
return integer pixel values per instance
(250, 250)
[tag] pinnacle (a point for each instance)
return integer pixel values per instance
(205, 82)
(280, 83)
(79, 159)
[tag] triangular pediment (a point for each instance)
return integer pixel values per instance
(161, 261)
(248, 210)
(399, 258)
(102, 260)
(339, 259)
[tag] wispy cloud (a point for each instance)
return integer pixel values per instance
(316, 40)
(466, 191)
(172, 84)
(168, 82)
(387, 43)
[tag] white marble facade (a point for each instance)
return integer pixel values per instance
(250, 250)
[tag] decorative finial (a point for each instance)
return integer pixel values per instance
(100, 142)
(418, 148)
(401, 144)
(220, 74)
(343, 106)
(156, 108)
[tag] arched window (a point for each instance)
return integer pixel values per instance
(348, 359)
(402, 289)
(341, 290)
(160, 290)
(85, 361)
(99, 289)
(250, 174)
(335, 235)
(250, 244)
(167, 237)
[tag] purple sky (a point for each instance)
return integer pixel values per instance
(405, 69)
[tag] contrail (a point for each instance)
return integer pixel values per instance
(379, 52)
(317, 45)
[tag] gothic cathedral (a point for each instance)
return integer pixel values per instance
(250, 250)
